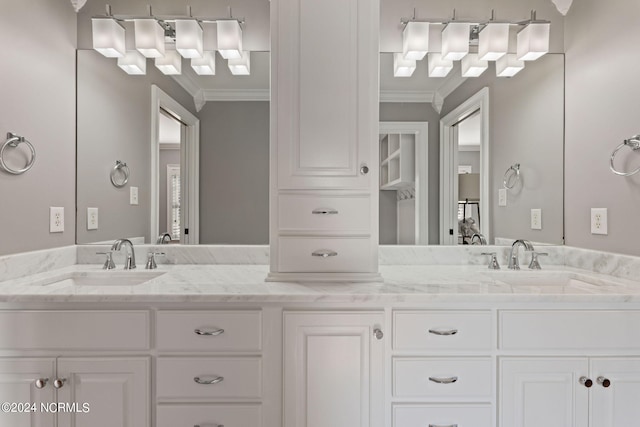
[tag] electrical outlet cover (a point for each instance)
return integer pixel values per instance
(133, 196)
(536, 219)
(599, 221)
(92, 218)
(56, 220)
(502, 197)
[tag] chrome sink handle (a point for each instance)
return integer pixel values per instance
(534, 264)
(108, 263)
(493, 261)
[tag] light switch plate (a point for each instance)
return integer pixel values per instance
(599, 221)
(536, 219)
(502, 197)
(92, 218)
(133, 196)
(56, 220)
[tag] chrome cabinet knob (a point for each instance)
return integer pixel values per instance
(59, 382)
(586, 382)
(364, 169)
(378, 334)
(604, 382)
(41, 383)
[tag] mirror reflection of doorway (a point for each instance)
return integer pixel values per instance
(469, 201)
(169, 142)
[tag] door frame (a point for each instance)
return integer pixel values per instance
(189, 167)
(449, 162)
(421, 131)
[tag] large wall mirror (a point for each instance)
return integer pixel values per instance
(445, 143)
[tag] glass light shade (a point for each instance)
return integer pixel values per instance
(473, 66)
(493, 41)
(455, 40)
(149, 37)
(189, 38)
(438, 66)
(229, 39)
(108, 37)
(415, 40)
(533, 41)
(403, 67)
(205, 66)
(133, 63)
(240, 66)
(508, 66)
(170, 64)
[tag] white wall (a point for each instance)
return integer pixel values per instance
(603, 93)
(37, 100)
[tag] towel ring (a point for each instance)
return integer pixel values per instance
(123, 169)
(511, 176)
(13, 141)
(634, 144)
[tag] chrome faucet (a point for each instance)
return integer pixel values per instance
(164, 239)
(131, 255)
(513, 255)
(480, 239)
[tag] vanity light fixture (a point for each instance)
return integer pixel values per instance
(473, 66)
(205, 66)
(403, 67)
(533, 39)
(455, 39)
(189, 38)
(229, 38)
(240, 66)
(508, 66)
(415, 40)
(438, 66)
(170, 63)
(493, 41)
(108, 37)
(133, 63)
(149, 37)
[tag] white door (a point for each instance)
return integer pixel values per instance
(618, 404)
(116, 390)
(333, 370)
(24, 382)
(543, 392)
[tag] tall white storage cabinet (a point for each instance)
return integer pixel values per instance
(324, 136)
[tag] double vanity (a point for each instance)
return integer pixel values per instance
(204, 340)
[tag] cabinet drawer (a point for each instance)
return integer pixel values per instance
(442, 416)
(209, 330)
(303, 254)
(241, 378)
(570, 330)
(435, 378)
(318, 213)
(74, 330)
(442, 330)
(209, 415)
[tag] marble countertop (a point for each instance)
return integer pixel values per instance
(246, 284)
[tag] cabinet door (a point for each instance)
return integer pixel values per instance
(325, 97)
(619, 404)
(543, 392)
(115, 389)
(18, 379)
(333, 370)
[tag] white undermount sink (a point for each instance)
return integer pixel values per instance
(102, 278)
(544, 278)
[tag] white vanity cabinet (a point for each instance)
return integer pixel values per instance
(333, 369)
(115, 387)
(324, 138)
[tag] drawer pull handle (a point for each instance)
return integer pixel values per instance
(324, 253)
(212, 425)
(604, 382)
(41, 383)
(443, 333)
(216, 380)
(586, 382)
(323, 211)
(440, 425)
(59, 382)
(214, 333)
(439, 380)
